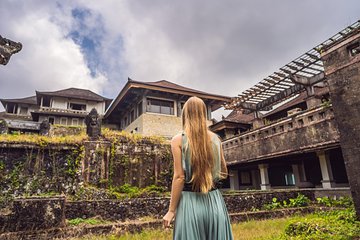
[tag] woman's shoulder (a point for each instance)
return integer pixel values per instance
(214, 136)
(176, 140)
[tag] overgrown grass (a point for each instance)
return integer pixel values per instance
(337, 224)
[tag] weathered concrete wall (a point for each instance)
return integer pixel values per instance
(307, 131)
(342, 69)
(161, 124)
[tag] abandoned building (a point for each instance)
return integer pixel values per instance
(66, 107)
(295, 145)
(154, 108)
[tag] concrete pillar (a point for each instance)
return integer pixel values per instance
(312, 102)
(326, 172)
(234, 179)
(264, 176)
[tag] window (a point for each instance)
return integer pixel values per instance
(245, 178)
(51, 120)
(289, 179)
(46, 102)
(132, 115)
(77, 107)
(160, 106)
(63, 121)
(354, 49)
(140, 106)
(75, 122)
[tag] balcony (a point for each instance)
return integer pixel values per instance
(305, 131)
(61, 110)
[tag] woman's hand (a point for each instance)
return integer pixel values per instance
(169, 216)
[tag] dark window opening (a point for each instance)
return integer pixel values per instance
(140, 108)
(77, 107)
(160, 106)
(51, 120)
(281, 128)
(301, 122)
(46, 102)
(354, 49)
(132, 115)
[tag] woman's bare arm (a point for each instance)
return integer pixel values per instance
(178, 180)
(224, 170)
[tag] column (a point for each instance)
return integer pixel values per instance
(326, 172)
(264, 176)
(234, 179)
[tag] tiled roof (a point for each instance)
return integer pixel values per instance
(75, 93)
(27, 100)
(239, 117)
(319, 91)
(170, 85)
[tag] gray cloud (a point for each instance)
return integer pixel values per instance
(221, 47)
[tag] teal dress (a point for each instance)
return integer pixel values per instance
(202, 216)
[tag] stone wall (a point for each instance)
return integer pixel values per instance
(157, 207)
(33, 214)
(342, 69)
(36, 168)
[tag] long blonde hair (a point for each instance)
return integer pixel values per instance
(199, 142)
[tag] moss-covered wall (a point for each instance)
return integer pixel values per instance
(44, 167)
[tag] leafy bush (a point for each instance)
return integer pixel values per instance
(340, 224)
(300, 201)
(346, 202)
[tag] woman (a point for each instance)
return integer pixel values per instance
(198, 165)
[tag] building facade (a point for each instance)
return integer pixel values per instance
(154, 108)
(298, 144)
(65, 107)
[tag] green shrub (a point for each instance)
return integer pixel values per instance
(90, 221)
(346, 202)
(300, 201)
(339, 224)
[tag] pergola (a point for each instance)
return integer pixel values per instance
(294, 77)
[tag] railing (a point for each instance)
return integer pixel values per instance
(283, 136)
(61, 110)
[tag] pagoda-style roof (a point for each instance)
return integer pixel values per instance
(75, 93)
(166, 87)
(292, 78)
(27, 100)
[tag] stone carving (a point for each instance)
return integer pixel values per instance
(93, 124)
(3, 126)
(8, 48)
(44, 128)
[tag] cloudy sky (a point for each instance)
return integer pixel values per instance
(221, 47)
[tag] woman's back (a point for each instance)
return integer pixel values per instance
(186, 157)
(201, 215)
